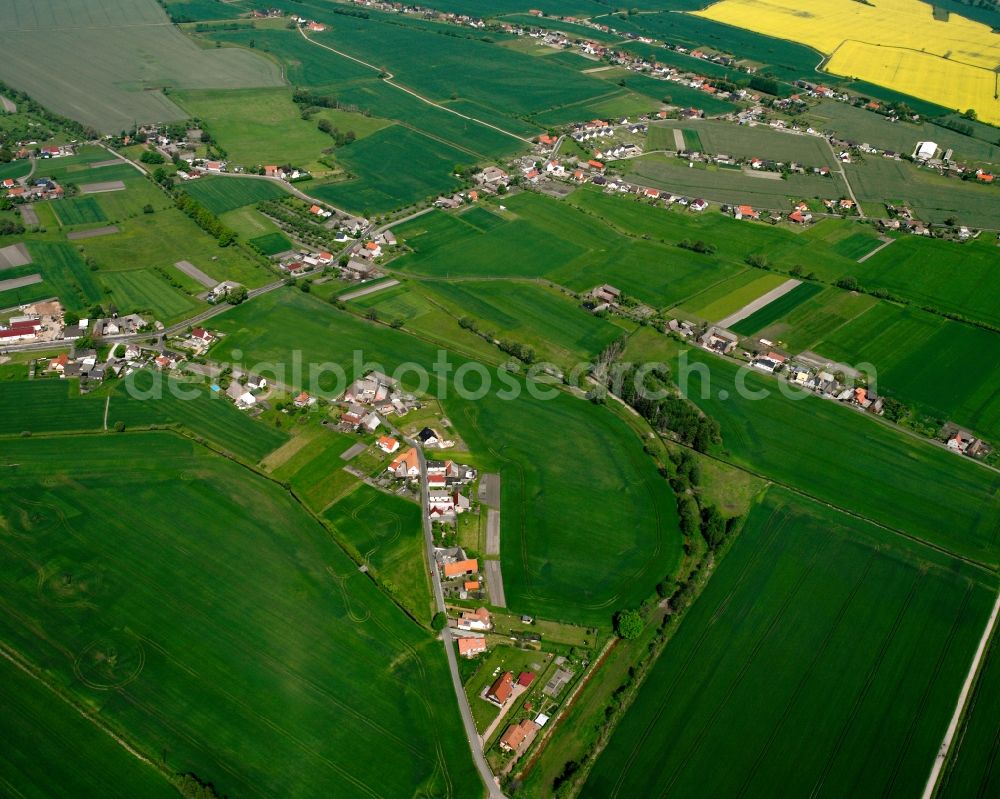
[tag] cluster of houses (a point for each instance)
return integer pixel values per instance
(469, 629)
(965, 443)
(33, 190)
(45, 321)
(374, 395)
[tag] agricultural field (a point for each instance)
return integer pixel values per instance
(932, 197)
(263, 126)
(946, 369)
(728, 296)
(197, 10)
(220, 195)
(555, 325)
(556, 575)
(972, 764)
(145, 291)
(777, 310)
(955, 278)
(385, 532)
(363, 671)
(311, 463)
(79, 211)
(741, 141)
(807, 325)
(814, 445)
(64, 274)
(387, 175)
(860, 125)
(91, 46)
(271, 243)
(946, 61)
(816, 621)
(762, 190)
(540, 237)
(80, 759)
(670, 93)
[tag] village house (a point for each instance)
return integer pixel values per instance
(388, 444)
(493, 176)
(502, 689)
(745, 212)
(405, 465)
(718, 340)
(470, 647)
(460, 568)
(304, 400)
(518, 737)
(478, 620)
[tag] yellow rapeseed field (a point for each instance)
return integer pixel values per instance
(894, 43)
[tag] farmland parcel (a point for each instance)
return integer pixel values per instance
(90, 46)
(219, 627)
(950, 62)
(813, 621)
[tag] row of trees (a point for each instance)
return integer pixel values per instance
(205, 219)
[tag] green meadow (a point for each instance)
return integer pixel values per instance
(221, 194)
(814, 620)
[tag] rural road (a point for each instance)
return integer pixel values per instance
(963, 701)
(475, 742)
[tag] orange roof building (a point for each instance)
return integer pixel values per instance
(472, 585)
(470, 647)
(502, 689)
(406, 464)
(461, 567)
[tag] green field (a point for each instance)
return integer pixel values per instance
(79, 211)
(272, 243)
(64, 274)
(741, 141)
(955, 278)
(259, 126)
(220, 194)
(732, 185)
(728, 296)
(222, 648)
(389, 174)
(51, 749)
(804, 327)
(815, 446)
(143, 291)
(932, 197)
(554, 553)
(117, 57)
(166, 237)
(947, 369)
(972, 765)
(556, 326)
(385, 531)
(814, 621)
(540, 237)
(778, 309)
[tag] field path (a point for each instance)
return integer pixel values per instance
(881, 247)
(963, 699)
(8, 105)
(353, 295)
(389, 79)
(839, 169)
(755, 305)
(107, 404)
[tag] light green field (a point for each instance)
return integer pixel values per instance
(813, 621)
(144, 291)
(806, 326)
(259, 126)
(741, 141)
(151, 620)
(727, 297)
(166, 237)
(115, 58)
(731, 185)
